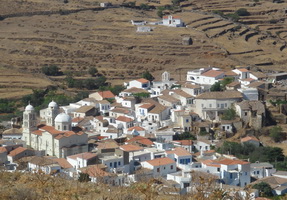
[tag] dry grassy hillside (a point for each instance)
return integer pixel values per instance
(106, 39)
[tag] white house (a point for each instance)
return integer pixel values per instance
(242, 72)
(205, 76)
(82, 160)
(172, 21)
(139, 83)
(261, 170)
(180, 156)
(160, 166)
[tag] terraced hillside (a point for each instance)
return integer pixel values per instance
(106, 38)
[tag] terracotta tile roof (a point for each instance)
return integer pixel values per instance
(179, 151)
(259, 74)
(49, 129)
(17, 151)
(213, 73)
(63, 163)
(147, 106)
(124, 119)
(243, 70)
(249, 138)
(77, 119)
(137, 128)
(85, 156)
(37, 132)
(211, 163)
(131, 147)
(141, 140)
(104, 102)
(101, 137)
(256, 84)
(107, 144)
(230, 73)
(142, 80)
(220, 95)
(3, 149)
(96, 171)
(232, 162)
(160, 161)
(184, 142)
(120, 110)
(42, 161)
(106, 94)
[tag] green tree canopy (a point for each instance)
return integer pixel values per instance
(264, 189)
(148, 76)
(93, 71)
(229, 114)
(51, 70)
(216, 87)
(242, 12)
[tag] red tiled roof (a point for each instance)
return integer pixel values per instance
(141, 140)
(147, 105)
(124, 119)
(249, 138)
(37, 132)
(232, 162)
(63, 163)
(106, 94)
(131, 147)
(160, 161)
(243, 70)
(17, 151)
(212, 73)
(101, 137)
(142, 80)
(95, 171)
(179, 151)
(49, 129)
(77, 119)
(137, 128)
(3, 149)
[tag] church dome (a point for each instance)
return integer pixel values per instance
(53, 104)
(63, 118)
(29, 108)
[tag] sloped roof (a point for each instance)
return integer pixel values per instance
(249, 138)
(182, 93)
(96, 171)
(184, 142)
(232, 162)
(168, 98)
(160, 161)
(84, 109)
(131, 147)
(135, 90)
(179, 151)
(13, 131)
(63, 163)
(252, 106)
(137, 128)
(158, 109)
(141, 140)
(124, 119)
(106, 94)
(220, 95)
(191, 86)
(17, 151)
(84, 156)
(142, 80)
(212, 73)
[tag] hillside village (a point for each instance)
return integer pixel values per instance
(163, 129)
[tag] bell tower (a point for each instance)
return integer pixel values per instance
(29, 123)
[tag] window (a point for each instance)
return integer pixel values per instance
(230, 176)
(218, 169)
(210, 105)
(111, 164)
(171, 167)
(157, 169)
(225, 104)
(202, 105)
(245, 173)
(119, 163)
(186, 120)
(245, 113)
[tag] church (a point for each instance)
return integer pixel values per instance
(56, 136)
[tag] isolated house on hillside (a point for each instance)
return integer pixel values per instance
(139, 83)
(172, 21)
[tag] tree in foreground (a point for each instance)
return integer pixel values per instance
(148, 76)
(264, 189)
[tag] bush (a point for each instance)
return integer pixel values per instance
(242, 12)
(216, 87)
(144, 6)
(264, 189)
(218, 12)
(93, 71)
(147, 76)
(51, 70)
(273, 21)
(276, 133)
(229, 114)
(234, 17)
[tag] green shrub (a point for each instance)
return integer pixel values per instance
(242, 12)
